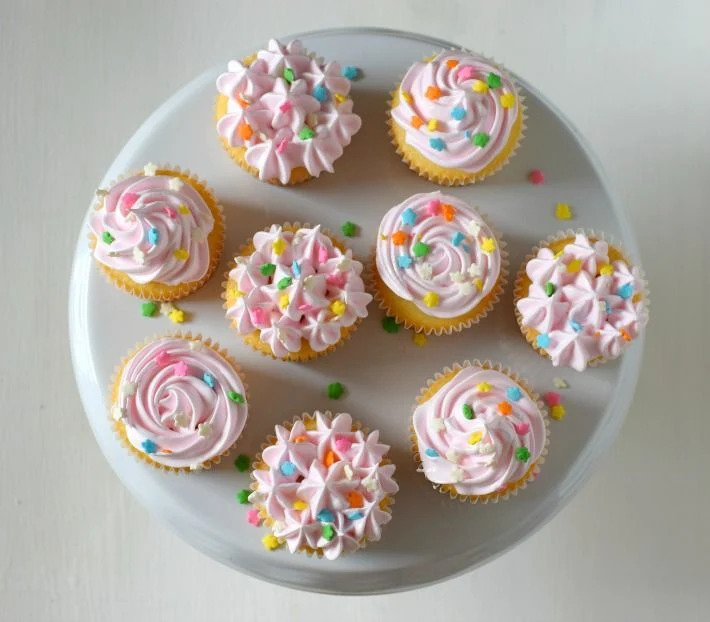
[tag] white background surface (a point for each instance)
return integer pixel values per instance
(78, 78)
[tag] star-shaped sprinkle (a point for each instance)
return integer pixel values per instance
(486, 448)
(626, 291)
(409, 217)
(552, 398)
(350, 72)
(138, 256)
(563, 211)
(483, 387)
(437, 424)
(425, 270)
(448, 211)
(181, 420)
(166, 308)
(335, 390)
(237, 398)
(457, 238)
(465, 288)
(389, 324)
(320, 93)
(480, 139)
(475, 438)
(129, 388)
(419, 339)
(107, 237)
(404, 261)
(432, 92)
(543, 340)
(118, 413)
(242, 463)
(149, 446)
(468, 411)
(458, 113)
(278, 246)
(479, 86)
(437, 144)
(456, 474)
(513, 394)
(208, 379)
(488, 245)
(181, 368)
(493, 80)
(177, 316)
(432, 453)
(504, 408)
(183, 209)
(452, 456)
(270, 542)
(284, 301)
(150, 169)
(148, 308)
(371, 484)
(421, 249)
(181, 254)
(522, 454)
(284, 282)
(507, 100)
(575, 326)
(473, 228)
(288, 468)
(521, 429)
(432, 125)
(536, 176)
(559, 383)
(433, 207)
(243, 496)
(349, 229)
(431, 299)
(175, 183)
(558, 412)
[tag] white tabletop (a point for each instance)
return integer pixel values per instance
(78, 78)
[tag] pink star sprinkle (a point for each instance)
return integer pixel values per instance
(432, 208)
(281, 147)
(162, 358)
(322, 254)
(127, 202)
(170, 211)
(181, 369)
(465, 73)
(342, 444)
(536, 177)
(258, 316)
(552, 398)
(521, 428)
(286, 106)
(253, 517)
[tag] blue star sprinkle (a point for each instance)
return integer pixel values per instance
(437, 143)
(404, 261)
(325, 516)
(351, 73)
(356, 515)
(149, 446)
(458, 238)
(458, 113)
(543, 340)
(432, 453)
(208, 380)
(626, 291)
(409, 216)
(296, 269)
(288, 468)
(321, 93)
(513, 394)
(576, 326)
(153, 236)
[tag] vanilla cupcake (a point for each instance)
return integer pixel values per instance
(456, 118)
(283, 115)
(157, 234)
(438, 266)
(295, 293)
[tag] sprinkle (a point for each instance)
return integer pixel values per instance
(270, 542)
(522, 454)
(625, 334)
(286, 106)
(536, 177)
(242, 463)
(431, 299)
(626, 291)
(348, 470)
(355, 499)
(299, 505)
(357, 515)
(107, 237)
(552, 398)
(458, 113)
(284, 282)
(342, 444)
(465, 73)
(325, 516)
(389, 324)
(300, 439)
(150, 169)
(409, 217)
(399, 238)
(488, 245)
(406, 97)
(575, 326)
(149, 446)
(474, 271)
(181, 368)
(448, 211)
(432, 125)
(350, 72)
(479, 86)
(437, 143)
(549, 288)
(208, 379)
(335, 391)
(183, 209)
(344, 264)
(513, 394)
(289, 75)
(328, 532)
(478, 283)
(432, 453)
(162, 358)
(543, 340)
(558, 412)
(129, 388)
(278, 246)
(177, 316)
(493, 80)
(148, 309)
(457, 474)
(288, 468)
(139, 256)
(245, 132)
(404, 261)
(338, 307)
(204, 429)
(306, 133)
(425, 271)
(175, 184)
(339, 97)
(349, 229)
(563, 211)
(181, 254)
(451, 63)
(521, 429)
(181, 420)
(437, 424)
(504, 408)
(560, 383)
(237, 398)
(253, 518)
(118, 413)
(416, 122)
(170, 211)
(507, 100)
(480, 139)
(330, 458)
(606, 269)
(456, 277)
(452, 456)
(574, 266)
(466, 289)
(432, 92)
(267, 269)
(419, 339)
(458, 238)
(475, 438)
(432, 207)
(483, 387)
(420, 249)
(468, 412)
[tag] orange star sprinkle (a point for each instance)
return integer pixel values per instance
(355, 499)
(417, 122)
(399, 238)
(300, 439)
(245, 131)
(625, 334)
(504, 408)
(448, 211)
(433, 92)
(330, 458)
(451, 63)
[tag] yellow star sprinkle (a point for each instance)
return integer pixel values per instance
(181, 254)
(279, 246)
(507, 100)
(283, 301)
(606, 269)
(339, 98)
(419, 339)
(337, 307)
(479, 284)
(488, 245)
(432, 125)
(406, 97)
(177, 316)
(183, 209)
(383, 236)
(431, 299)
(574, 266)
(479, 86)
(299, 505)
(475, 438)
(563, 211)
(270, 542)
(484, 387)
(558, 412)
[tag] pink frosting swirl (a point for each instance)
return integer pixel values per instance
(583, 306)
(479, 432)
(153, 229)
(288, 109)
(181, 402)
(436, 243)
(472, 105)
(297, 286)
(324, 484)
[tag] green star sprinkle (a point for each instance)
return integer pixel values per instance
(306, 133)
(335, 390)
(243, 494)
(148, 308)
(468, 411)
(349, 229)
(242, 463)
(420, 249)
(522, 454)
(390, 324)
(267, 269)
(328, 532)
(284, 282)
(493, 80)
(237, 398)
(107, 237)
(289, 75)
(481, 139)
(549, 288)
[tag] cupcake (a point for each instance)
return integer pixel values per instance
(579, 300)
(283, 115)
(478, 433)
(178, 402)
(324, 485)
(438, 266)
(157, 234)
(295, 293)
(456, 119)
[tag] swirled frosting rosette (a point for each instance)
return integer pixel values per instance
(438, 265)
(283, 115)
(157, 234)
(179, 403)
(579, 300)
(295, 293)
(324, 485)
(478, 432)
(456, 118)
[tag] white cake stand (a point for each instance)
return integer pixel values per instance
(430, 537)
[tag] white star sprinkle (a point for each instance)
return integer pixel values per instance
(371, 484)
(456, 474)
(100, 193)
(347, 469)
(437, 424)
(150, 169)
(118, 413)
(129, 388)
(452, 456)
(175, 183)
(166, 308)
(474, 271)
(456, 277)
(204, 429)
(473, 228)
(485, 448)
(195, 346)
(139, 256)
(425, 270)
(466, 288)
(560, 384)
(181, 420)
(344, 264)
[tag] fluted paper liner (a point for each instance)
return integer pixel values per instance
(215, 240)
(558, 241)
(385, 297)
(119, 426)
(306, 353)
(385, 505)
(436, 383)
(422, 166)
